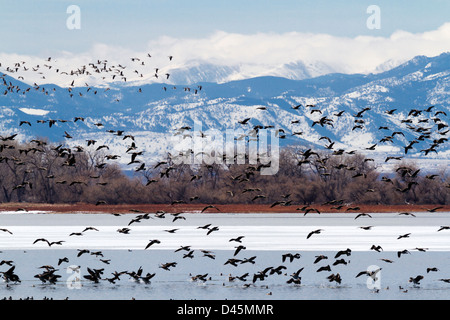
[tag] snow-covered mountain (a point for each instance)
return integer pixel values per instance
(152, 113)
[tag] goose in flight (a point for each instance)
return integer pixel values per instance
(406, 214)
(335, 277)
(152, 242)
(371, 274)
(210, 230)
(171, 230)
(209, 207)
(399, 253)
(238, 249)
(82, 251)
(237, 239)
(340, 261)
(249, 260)
(347, 252)
(319, 258)
(324, 268)
(41, 240)
(290, 256)
(363, 215)
(245, 121)
(9, 275)
(6, 230)
(416, 280)
(376, 248)
(387, 260)
(168, 265)
(314, 232)
(406, 235)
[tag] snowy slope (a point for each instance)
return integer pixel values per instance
(154, 112)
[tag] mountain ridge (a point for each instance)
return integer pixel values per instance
(155, 113)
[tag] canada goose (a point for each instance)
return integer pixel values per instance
(399, 253)
(97, 253)
(376, 248)
(444, 228)
(363, 215)
(259, 276)
(94, 275)
(371, 274)
(259, 196)
(237, 239)
(9, 275)
(249, 260)
(347, 252)
(168, 265)
(238, 249)
(208, 254)
(190, 254)
(416, 280)
(6, 230)
(172, 230)
(75, 234)
(82, 251)
(406, 214)
(404, 236)
(311, 210)
(335, 277)
(232, 261)
(314, 232)
(124, 230)
(324, 268)
(340, 261)
(245, 121)
(210, 230)
(320, 258)
(43, 240)
(433, 269)
(387, 260)
(278, 270)
(208, 207)
(290, 256)
(178, 217)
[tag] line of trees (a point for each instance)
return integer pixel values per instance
(40, 172)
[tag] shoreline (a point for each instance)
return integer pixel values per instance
(83, 208)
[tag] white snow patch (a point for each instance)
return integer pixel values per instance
(34, 112)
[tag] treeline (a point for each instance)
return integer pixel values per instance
(41, 172)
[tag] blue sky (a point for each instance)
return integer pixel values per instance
(255, 37)
(39, 27)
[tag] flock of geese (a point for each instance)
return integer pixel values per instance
(49, 274)
(288, 260)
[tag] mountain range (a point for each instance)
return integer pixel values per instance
(154, 113)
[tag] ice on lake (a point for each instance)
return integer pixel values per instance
(267, 237)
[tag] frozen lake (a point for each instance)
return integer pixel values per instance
(266, 238)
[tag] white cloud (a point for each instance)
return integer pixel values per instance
(252, 55)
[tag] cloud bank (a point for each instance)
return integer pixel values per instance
(293, 55)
